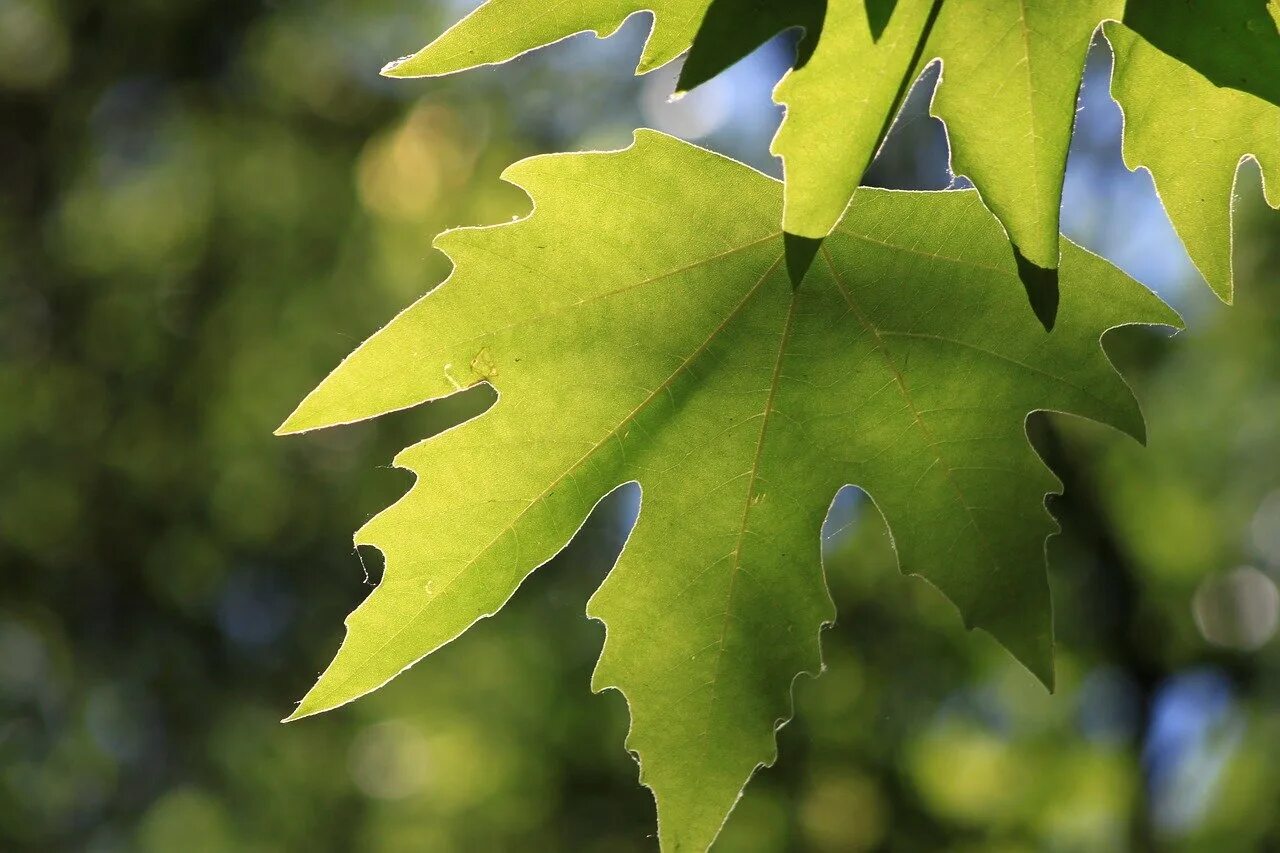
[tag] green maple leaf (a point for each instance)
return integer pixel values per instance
(1011, 72)
(639, 326)
(1192, 135)
(1010, 75)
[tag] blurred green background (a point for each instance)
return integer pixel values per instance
(203, 206)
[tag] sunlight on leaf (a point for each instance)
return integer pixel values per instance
(640, 325)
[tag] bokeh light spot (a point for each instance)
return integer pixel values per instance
(390, 761)
(1238, 609)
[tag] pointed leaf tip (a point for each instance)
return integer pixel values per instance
(286, 428)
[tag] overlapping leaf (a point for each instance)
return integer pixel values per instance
(639, 325)
(1192, 136)
(1231, 43)
(1011, 70)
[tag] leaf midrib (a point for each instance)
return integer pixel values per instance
(1031, 105)
(736, 563)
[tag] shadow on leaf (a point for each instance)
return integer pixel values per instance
(734, 28)
(1042, 289)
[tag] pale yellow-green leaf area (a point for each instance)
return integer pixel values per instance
(1010, 74)
(838, 106)
(501, 30)
(640, 326)
(1192, 136)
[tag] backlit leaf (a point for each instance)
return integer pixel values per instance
(1011, 70)
(1192, 136)
(640, 326)
(500, 30)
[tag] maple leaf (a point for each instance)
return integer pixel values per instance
(639, 325)
(1011, 71)
(1010, 74)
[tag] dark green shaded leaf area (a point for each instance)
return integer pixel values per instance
(1231, 43)
(1200, 73)
(641, 325)
(734, 28)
